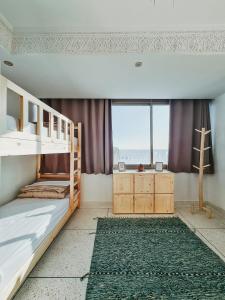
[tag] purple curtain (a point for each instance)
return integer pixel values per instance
(97, 148)
(185, 117)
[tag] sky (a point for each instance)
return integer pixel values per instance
(131, 126)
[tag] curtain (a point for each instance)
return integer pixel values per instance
(97, 148)
(185, 117)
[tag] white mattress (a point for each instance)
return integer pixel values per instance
(12, 125)
(24, 223)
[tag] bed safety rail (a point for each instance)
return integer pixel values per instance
(51, 130)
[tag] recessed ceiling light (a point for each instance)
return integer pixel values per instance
(138, 64)
(8, 63)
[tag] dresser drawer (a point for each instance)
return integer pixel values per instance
(123, 204)
(143, 183)
(164, 203)
(164, 183)
(123, 184)
(143, 203)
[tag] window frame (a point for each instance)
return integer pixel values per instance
(149, 103)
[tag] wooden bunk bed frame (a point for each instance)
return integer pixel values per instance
(20, 143)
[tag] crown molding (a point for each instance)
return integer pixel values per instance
(170, 41)
(6, 34)
(190, 42)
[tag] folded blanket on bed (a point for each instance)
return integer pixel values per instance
(44, 191)
(42, 188)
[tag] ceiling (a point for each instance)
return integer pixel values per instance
(102, 75)
(115, 76)
(111, 15)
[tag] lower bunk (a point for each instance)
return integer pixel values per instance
(27, 228)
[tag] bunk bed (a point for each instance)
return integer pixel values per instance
(29, 225)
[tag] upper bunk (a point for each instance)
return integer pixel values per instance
(29, 126)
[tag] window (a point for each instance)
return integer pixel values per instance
(160, 133)
(140, 133)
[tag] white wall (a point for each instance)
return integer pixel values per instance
(215, 184)
(15, 172)
(185, 187)
(98, 188)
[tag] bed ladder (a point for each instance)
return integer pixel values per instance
(74, 176)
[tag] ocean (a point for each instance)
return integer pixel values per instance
(142, 156)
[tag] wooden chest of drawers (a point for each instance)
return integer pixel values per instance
(143, 193)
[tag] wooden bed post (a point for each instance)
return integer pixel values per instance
(24, 109)
(38, 166)
(71, 165)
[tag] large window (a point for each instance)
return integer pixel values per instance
(140, 133)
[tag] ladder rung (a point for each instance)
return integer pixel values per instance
(76, 194)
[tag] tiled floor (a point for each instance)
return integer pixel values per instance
(57, 275)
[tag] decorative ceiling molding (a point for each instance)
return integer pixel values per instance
(6, 34)
(194, 42)
(171, 41)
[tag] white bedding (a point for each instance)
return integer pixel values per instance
(24, 223)
(12, 125)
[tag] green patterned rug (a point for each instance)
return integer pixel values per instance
(152, 258)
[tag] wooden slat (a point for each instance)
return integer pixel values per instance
(21, 114)
(55, 176)
(77, 193)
